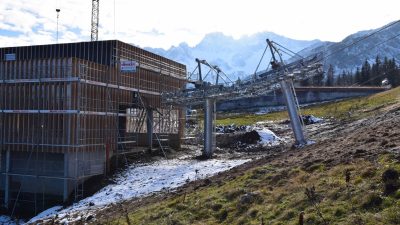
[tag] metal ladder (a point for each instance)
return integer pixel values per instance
(161, 139)
(79, 190)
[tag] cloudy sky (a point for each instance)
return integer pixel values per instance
(163, 23)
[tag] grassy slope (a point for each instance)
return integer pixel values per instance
(358, 107)
(279, 189)
(280, 198)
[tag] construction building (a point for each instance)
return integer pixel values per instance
(68, 109)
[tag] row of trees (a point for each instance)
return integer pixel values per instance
(367, 75)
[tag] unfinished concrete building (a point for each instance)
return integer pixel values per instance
(67, 109)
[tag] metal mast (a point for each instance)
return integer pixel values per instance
(58, 15)
(290, 99)
(95, 21)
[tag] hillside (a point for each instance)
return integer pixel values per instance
(355, 55)
(350, 175)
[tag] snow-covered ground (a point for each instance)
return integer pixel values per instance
(141, 180)
(5, 220)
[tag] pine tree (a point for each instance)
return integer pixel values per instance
(318, 79)
(376, 74)
(330, 76)
(393, 73)
(365, 74)
(238, 81)
(357, 76)
(341, 79)
(349, 78)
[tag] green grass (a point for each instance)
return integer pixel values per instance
(355, 108)
(280, 198)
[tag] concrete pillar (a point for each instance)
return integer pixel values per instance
(286, 87)
(7, 181)
(65, 188)
(182, 113)
(209, 106)
(149, 124)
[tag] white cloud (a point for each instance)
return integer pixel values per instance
(189, 20)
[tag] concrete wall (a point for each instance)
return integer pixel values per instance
(174, 140)
(27, 167)
(304, 95)
(47, 178)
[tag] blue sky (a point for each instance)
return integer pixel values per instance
(160, 23)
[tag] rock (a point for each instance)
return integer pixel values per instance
(369, 140)
(91, 204)
(390, 180)
(207, 182)
(360, 151)
(310, 119)
(89, 218)
(250, 198)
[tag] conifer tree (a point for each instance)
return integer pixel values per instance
(330, 76)
(365, 74)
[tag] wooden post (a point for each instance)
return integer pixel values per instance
(7, 181)
(149, 123)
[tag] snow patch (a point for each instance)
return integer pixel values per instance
(142, 180)
(314, 119)
(5, 220)
(267, 136)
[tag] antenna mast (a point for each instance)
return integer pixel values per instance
(58, 15)
(95, 21)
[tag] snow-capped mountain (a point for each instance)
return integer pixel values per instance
(239, 57)
(352, 51)
(235, 57)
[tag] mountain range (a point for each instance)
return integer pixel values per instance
(240, 57)
(352, 51)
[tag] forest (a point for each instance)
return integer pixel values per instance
(369, 74)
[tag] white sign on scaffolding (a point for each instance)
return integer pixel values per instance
(128, 66)
(10, 57)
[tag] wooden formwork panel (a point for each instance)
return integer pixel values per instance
(38, 96)
(53, 69)
(38, 130)
(58, 132)
(143, 79)
(98, 131)
(36, 69)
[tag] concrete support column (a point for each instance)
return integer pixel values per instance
(182, 113)
(209, 127)
(7, 181)
(286, 87)
(149, 124)
(65, 188)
